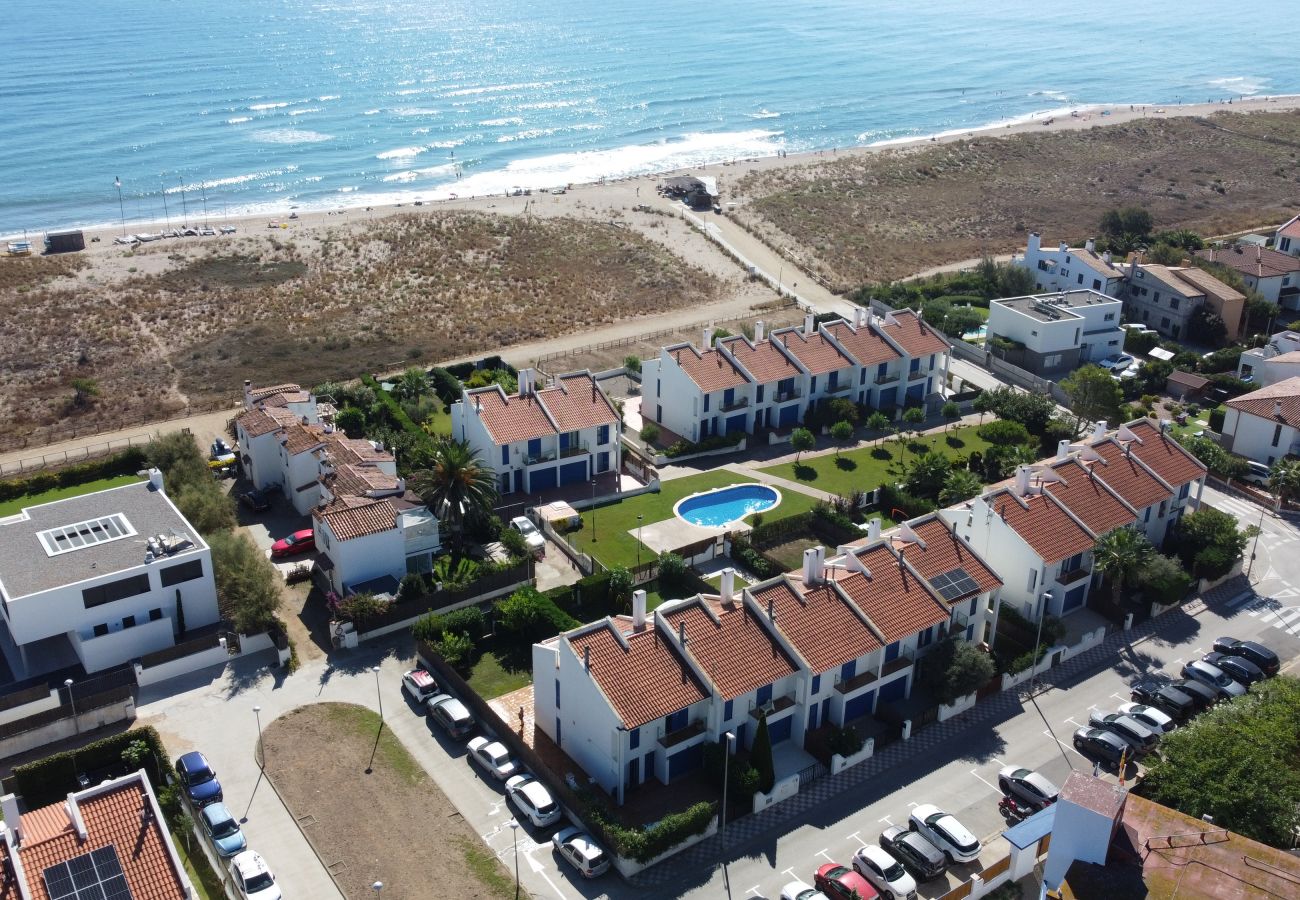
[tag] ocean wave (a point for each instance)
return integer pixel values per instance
(498, 88)
(260, 107)
(416, 111)
(372, 112)
(526, 135)
(1239, 84)
(555, 104)
(764, 114)
(414, 174)
(401, 153)
(237, 119)
(291, 136)
(508, 120)
(233, 179)
(327, 97)
(1059, 96)
(303, 112)
(407, 92)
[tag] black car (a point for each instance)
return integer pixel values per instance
(1204, 697)
(1260, 655)
(1237, 668)
(1104, 745)
(255, 500)
(918, 856)
(1170, 700)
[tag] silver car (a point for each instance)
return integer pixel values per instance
(1213, 678)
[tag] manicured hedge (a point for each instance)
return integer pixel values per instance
(51, 779)
(128, 462)
(395, 411)
(644, 844)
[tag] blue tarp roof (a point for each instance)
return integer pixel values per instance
(1031, 830)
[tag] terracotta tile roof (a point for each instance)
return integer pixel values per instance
(298, 438)
(259, 421)
(1128, 477)
(944, 552)
(1042, 525)
(643, 681)
(1088, 498)
(1093, 260)
(1249, 259)
(353, 451)
(815, 353)
(114, 816)
(1210, 285)
(762, 360)
(284, 398)
(260, 393)
(710, 370)
(913, 335)
(1291, 228)
(1168, 279)
(510, 419)
(1187, 379)
(353, 520)
(818, 623)
(577, 402)
(864, 344)
(1263, 401)
(736, 652)
(359, 480)
(1165, 456)
(896, 602)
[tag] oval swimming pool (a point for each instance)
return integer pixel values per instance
(723, 506)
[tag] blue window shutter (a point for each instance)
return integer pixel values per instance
(706, 402)
(729, 397)
(832, 380)
(657, 384)
(505, 454)
(915, 365)
(862, 376)
(973, 601)
(634, 738)
(817, 684)
(557, 695)
(881, 370)
(759, 394)
(891, 652)
(814, 383)
(727, 709)
(602, 434)
(848, 670)
(764, 694)
(931, 360)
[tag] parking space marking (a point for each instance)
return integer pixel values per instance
(1177, 662)
(789, 871)
(885, 819)
(998, 761)
(911, 803)
(1092, 708)
(753, 890)
(855, 838)
(1119, 698)
(824, 855)
(1072, 722)
(1069, 746)
(981, 778)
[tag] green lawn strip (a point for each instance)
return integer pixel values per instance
(489, 870)
(865, 468)
(614, 546)
(439, 422)
(366, 723)
(490, 679)
(207, 886)
(10, 507)
(1194, 422)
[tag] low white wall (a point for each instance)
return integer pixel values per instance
(213, 656)
(406, 623)
(1010, 681)
(662, 460)
(1207, 584)
(629, 867)
(783, 790)
(1087, 642)
(959, 706)
(110, 649)
(63, 729)
(49, 701)
(840, 763)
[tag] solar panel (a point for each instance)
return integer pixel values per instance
(954, 584)
(91, 876)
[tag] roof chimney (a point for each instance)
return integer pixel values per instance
(706, 338)
(248, 396)
(759, 329)
(1022, 480)
(809, 323)
(873, 530)
(1106, 256)
(9, 803)
(1277, 409)
(155, 484)
(1099, 430)
(810, 566)
(681, 633)
(1090, 245)
(728, 584)
(586, 658)
(771, 610)
(638, 610)
(1064, 247)
(1062, 448)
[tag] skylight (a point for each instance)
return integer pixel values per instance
(67, 538)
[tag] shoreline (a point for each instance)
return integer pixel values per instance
(613, 191)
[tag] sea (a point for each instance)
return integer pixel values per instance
(203, 109)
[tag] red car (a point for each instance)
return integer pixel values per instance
(842, 883)
(298, 542)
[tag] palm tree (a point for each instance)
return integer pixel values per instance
(1120, 555)
(1284, 480)
(413, 384)
(454, 485)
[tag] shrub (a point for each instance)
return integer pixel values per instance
(412, 587)
(894, 498)
(712, 442)
(760, 754)
(620, 586)
(752, 560)
(446, 385)
(456, 648)
(649, 432)
(1004, 433)
(468, 620)
(51, 779)
(248, 587)
(1216, 419)
(531, 616)
(644, 844)
(844, 741)
(672, 571)
(1026, 659)
(742, 777)
(361, 607)
(128, 462)
(632, 363)
(514, 542)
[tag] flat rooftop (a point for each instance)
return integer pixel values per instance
(72, 540)
(1056, 306)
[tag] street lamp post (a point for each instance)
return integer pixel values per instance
(593, 510)
(728, 739)
(380, 694)
(121, 209)
(261, 748)
(75, 724)
(377, 887)
(1033, 667)
(514, 845)
(638, 540)
(1255, 546)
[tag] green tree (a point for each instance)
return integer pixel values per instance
(1181, 237)
(841, 434)
(83, 391)
(454, 483)
(914, 416)
(959, 321)
(1206, 327)
(951, 412)
(1284, 479)
(1120, 555)
(208, 510)
(1031, 410)
(1208, 542)
(1163, 579)
(361, 607)
(1165, 254)
(1004, 433)
(621, 585)
(672, 571)
(878, 421)
(928, 475)
(632, 363)
(413, 384)
(248, 586)
(526, 614)
(760, 755)
(801, 439)
(959, 486)
(1126, 228)
(351, 421)
(456, 649)
(954, 669)
(1093, 394)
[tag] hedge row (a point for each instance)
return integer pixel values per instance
(128, 462)
(644, 844)
(713, 442)
(395, 411)
(51, 779)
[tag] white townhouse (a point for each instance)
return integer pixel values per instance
(1264, 425)
(1067, 268)
(881, 364)
(697, 393)
(95, 581)
(1287, 237)
(1276, 361)
(1273, 274)
(1057, 333)
(772, 398)
(563, 432)
(830, 371)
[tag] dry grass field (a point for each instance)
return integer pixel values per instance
(166, 326)
(882, 216)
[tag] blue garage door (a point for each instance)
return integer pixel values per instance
(572, 473)
(779, 730)
(895, 690)
(541, 480)
(916, 392)
(888, 398)
(687, 761)
(1074, 599)
(789, 416)
(858, 706)
(736, 423)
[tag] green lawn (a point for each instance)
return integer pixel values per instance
(1193, 425)
(490, 679)
(865, 468)
(9, 507)
(206, 883)
(614, 546)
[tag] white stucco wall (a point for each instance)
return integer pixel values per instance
(666, 387)
(1252, 436)
(1040, 336)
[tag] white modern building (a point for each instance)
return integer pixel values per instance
(1263, 424)
(1276, 361)
(1054, 334)
(96, 581)
(1066, 268)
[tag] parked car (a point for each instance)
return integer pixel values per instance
(256, 500)
(218, 449)
(1154, 719)
(1168, 699)
(224, 832)
(1134, 733)
(1203, 696)
(839, 882)
(798, 890)
(1027, 786)
(945, 832)
(298, 542)
(1117, 363)
(452, 715)
(580, 851)
(924, 860)
(534, 540)
(1257, 473)
(1238, 668)
(885, 873)
(1097, 743)
(419, 685)
(1260, 655)
(253, 877)
(198, 778)
(533, 800)
(492, 756)
(1212, 677)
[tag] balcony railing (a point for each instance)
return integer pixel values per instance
(862, 679)
(783, 396)
(887, 378)
(897, 664)
(780, 704)
(544, 456)
(918, 374)
(738, 403)
(1076, 574)
(682, 735)
(839, 388)
(574, 450)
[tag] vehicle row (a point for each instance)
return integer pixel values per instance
(131, 240)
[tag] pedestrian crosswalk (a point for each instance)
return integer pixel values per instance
(1242, 510)
(1269, 610)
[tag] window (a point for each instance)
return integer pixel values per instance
(189, 571)
(706, 402)
(557, 694)
(1096, 284)
(602, 434)
(973, 601)
(676, 721)
(634, 738)
(764, 695)
(758, 394)
(813, 385)
(848, 669)
(1164, 321)
(505, 454)
(1033, 579)
(1277, 433)
(727, 709)
(1065, 273)
(155, 615)
(115, 590)
(101, 630)
(1146, 516)
(832, 381)
(816, 684)
(1044, 266)
(881, 370)
(729, 397)
(1080, 278)
(84, 534)
(534, 448)
(1164, 507)
(1173, 302)
(923, 639)
(1286, 245)
(914, 365)
(1034, 333)
(932, 360)
(1110, 317)
(1184, 491)
(657, 384)
(891, 652)
(1077, 334)
(128, 622)
(862, 376)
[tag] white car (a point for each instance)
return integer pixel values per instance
(493, 756)
(1149, 716)
(945, 832)
(128, 239)
(580, 851)
(531, 798)
(798, 890)
(1117, 363)
(533, 539)
(885, 873)
(1213, 678)
(253, 877)
(419, 685)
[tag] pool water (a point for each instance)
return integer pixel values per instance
(726, 505)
